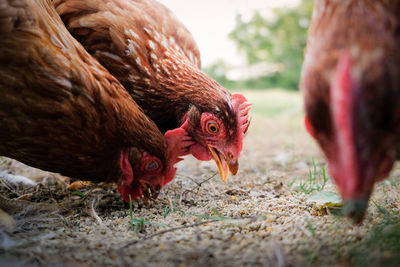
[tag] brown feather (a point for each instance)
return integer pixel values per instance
(152, 54)
(370, 31)
(60, 110)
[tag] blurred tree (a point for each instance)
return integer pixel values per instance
(217, 70)
(280, 38)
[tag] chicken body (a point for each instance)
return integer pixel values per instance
(61, 111)
(157, 60)
(351, 87)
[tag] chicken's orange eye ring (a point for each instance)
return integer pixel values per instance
(152, 165)
(212, 127)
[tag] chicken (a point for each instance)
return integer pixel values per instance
(351, 86)
(61, 111)
(157, 60)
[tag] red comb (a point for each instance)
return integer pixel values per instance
(240, 103)
(342, 97)
(242, 107)
(343, 93)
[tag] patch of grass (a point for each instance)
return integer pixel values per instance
(139, 223)
(310, 227)
(392, 182)
(292, 182)
(382, 210)
(172, 208)
(80, 193)
(382, 246)
(217, 216)
(130, 210)
(167, 211)
(387, 184)
(317, 180)
(311, 256)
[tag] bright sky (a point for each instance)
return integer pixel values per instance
(210, 22)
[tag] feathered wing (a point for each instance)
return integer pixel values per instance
(58, 105)
(122, 33)
(149, 51)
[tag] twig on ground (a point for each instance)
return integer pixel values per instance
(293, 206)
(206, 180)
(9, 187)
(328, 211)
(13, 206)
(93, 213)
(180, 199)
(198, 184)
(167, 231)
(51, 195)
(26, 197)
(252, 219)
(171, 205)
(280, 255)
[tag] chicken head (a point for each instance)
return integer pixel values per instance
(148, 174)
(359, 144)
(219, 139)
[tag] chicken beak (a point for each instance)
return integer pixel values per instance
(150, 192)
(224, 165)
(233, 166)
(355, 209)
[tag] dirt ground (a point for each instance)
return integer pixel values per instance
(260, 217)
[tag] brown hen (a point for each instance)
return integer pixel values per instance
(156, 59)
(61, 111)
(351, 86)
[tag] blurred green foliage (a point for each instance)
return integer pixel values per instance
(279, 39)
(218, 71)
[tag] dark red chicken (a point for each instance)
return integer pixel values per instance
(156, 59)
(61, 111)
(351, 86)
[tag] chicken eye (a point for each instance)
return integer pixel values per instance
(152, 165)
(212, 128)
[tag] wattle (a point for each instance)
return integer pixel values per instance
(200, 152)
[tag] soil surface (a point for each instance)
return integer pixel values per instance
(260, 217)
